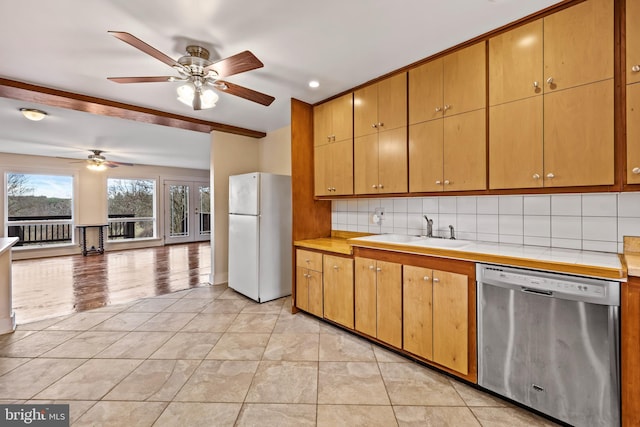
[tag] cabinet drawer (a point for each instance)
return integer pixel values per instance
(308, 259)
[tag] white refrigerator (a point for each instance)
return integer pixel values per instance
(260, 235)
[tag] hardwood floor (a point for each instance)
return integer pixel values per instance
(54, 286)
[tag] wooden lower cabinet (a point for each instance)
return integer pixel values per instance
(630, 339)
(435, 316)
(309, 282)
(378, 300)
(417, 314)
(338, 289)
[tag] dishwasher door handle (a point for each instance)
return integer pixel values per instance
(538, 292)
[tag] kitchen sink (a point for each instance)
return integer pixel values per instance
(421, 241)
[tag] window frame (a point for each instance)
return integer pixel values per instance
(153, 219)
(6, 171)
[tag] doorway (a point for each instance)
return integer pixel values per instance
(187, 211)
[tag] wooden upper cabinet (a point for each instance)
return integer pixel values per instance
(453, 84)
(633, 41)
(333, 167)
(425, 92)
(392, 161)
(516, 146)
(426, 155)
(578, 45)
(633, 133)
(578, 142)
(515, 64)
(465, 152)
(333, 120)
(381, 106)
(465, 80)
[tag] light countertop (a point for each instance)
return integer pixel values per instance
(6, 243)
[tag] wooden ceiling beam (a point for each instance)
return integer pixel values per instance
(58, 98)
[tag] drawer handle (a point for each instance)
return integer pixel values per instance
(425, 278)
(436, 280)
(378, 269)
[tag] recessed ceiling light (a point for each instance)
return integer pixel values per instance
(314, 84)
(33, 114)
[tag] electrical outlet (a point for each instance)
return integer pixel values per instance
(377, 216)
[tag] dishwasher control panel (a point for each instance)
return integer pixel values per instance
(550, 284)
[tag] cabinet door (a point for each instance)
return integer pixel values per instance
(578, 45)
(464, 79)
(314, 286)
(417, 311)
(341, 160)
(392, 102)
(450, 320)
(392, 161)
(425, 156)
(342, 117)
(338, 290)
(425, 92)
(322, 124)
(365, 296)
(302, 288)
(633, 134)
(389, 303)
(630, 346)
(633, 41)
(322, 169)
(578, 136)
(515, 144)
(365, 111)
(465, 151)
(365, 164)
(515, 64)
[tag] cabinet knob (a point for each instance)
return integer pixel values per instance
(438, 182)
(378, 269)
(375, 125)
(380, 186)
(550, 80)
(447, 107)
(535, 85)
(333, 138)
(380, 124)
(333, 188)
(447, 182)
(335, 267)
(636, 171)
(635, 68)
(550, 175)
(374, 186)
(307, 261)
(536, 176)
(425, 278)
(328, 138)
(438, 109)
(371, 267)
(436, 280)
(328, 188)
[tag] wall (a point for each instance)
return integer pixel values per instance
(594, 221)
(275, 152)
(233, 155)
(230, 155)
(91, 195)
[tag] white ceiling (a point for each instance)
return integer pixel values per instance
(64, 44)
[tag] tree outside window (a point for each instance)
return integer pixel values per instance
(131, 208)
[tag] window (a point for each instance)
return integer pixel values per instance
(39, 209)
(131, 208)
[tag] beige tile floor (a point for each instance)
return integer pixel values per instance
(210, 357)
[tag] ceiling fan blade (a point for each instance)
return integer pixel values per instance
(159, 79)
(238, 63)
(243, 92)
(111, 164)
(149, 50)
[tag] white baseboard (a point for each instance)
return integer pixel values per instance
(220, 278)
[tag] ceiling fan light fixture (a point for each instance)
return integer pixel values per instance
(187, 91)
(33, 114)
(97, 167)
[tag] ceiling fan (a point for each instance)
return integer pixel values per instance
(199, 74)
(96, 161)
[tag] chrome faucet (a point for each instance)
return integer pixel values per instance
(429, 226)
(453, 234)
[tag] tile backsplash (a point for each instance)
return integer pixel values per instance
(590, 221)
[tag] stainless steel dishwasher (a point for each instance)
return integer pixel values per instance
(551, 342)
